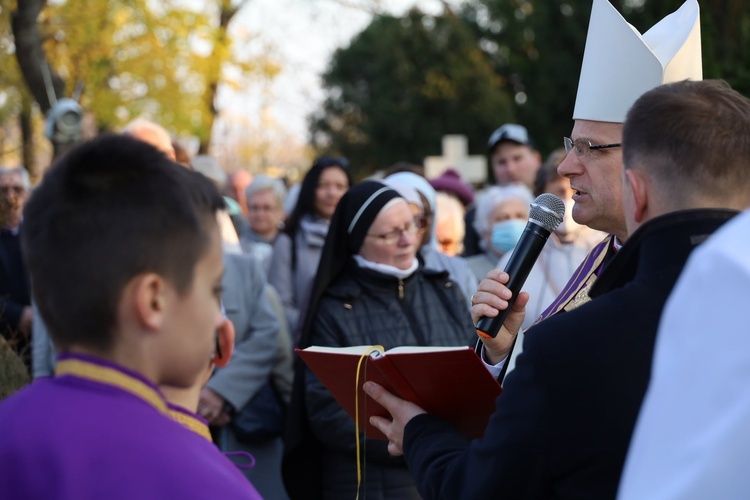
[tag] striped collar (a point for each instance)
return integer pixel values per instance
(104, 372)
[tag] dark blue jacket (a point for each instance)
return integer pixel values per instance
(563, 423)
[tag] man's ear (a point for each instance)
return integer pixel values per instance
(224, 344)
(148, 292)
(638, 186)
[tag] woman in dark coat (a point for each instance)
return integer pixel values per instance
(370, 289)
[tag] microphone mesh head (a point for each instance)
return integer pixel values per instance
(548, 210)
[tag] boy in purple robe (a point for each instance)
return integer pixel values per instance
(125, 259)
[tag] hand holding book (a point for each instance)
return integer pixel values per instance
(401, 412)
(450, 382)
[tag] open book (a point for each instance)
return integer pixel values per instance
(450, 382)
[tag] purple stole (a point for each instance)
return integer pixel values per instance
(575, 292)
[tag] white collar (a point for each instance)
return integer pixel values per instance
(386, 269)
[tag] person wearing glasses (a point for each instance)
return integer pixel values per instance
(606, 90)
(370, 289)
(564, 421)
(297, 248)
(456, 266)
(16, 314)
(265, 214)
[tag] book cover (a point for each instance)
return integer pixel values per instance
(450, 382)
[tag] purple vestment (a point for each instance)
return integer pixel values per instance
(98, 430)
(575, 292)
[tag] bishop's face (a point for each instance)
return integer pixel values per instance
(596, 177)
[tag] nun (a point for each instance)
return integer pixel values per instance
(370, 288)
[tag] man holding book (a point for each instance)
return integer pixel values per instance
(564, 421)
(563, 424)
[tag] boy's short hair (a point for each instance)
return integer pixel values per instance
(112, 208)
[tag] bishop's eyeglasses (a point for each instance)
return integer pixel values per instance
(583, 146)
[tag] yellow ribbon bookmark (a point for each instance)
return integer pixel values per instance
(365, 356)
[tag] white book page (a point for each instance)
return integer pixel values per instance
(413, 349)
(355, 349)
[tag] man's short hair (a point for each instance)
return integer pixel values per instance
(18, 171)
(693, 137)
(152, 133)
(109, 210)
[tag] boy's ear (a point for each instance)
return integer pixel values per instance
(224, 344)
(148, 295)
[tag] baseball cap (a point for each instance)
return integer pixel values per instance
(510, 132)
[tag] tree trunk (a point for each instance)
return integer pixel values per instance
(30, 54)
(219, 55)
(32, 60)
(27, 136)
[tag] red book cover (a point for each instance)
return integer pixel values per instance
(450, 382)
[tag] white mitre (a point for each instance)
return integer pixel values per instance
(620, 64)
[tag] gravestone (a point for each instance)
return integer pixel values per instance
(473, 169)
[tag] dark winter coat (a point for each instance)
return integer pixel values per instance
(567, 412)
(364, 307)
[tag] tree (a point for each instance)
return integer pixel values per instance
(132, 57)
(16, 103)
(537, 45)
(401, 85)
(725, 35)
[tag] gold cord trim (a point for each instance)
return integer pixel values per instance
(192, 423)
(113, 377)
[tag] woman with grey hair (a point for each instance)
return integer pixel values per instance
(501, 216)
(265, 213)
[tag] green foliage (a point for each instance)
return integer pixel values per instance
(164, 60)
(10, 77)
(131, 59)
(13, 373)
(537, 45)
(401, 85)
(725, 35)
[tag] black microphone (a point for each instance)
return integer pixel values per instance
(546, 213)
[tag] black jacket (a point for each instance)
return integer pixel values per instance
(15, 293)
(564, 421)
(363, 307)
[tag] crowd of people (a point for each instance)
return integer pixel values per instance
(156, 302)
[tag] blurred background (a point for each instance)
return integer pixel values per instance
(266, 85)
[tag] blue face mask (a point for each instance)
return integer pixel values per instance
(506, 234)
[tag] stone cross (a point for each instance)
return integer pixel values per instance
(473, 169)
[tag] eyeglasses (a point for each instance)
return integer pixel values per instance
(583, 146)
(392, 237)
(15, 189)
(262, 208)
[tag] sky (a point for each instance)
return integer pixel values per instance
(302, 36)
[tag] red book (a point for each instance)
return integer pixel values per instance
(450, 382)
